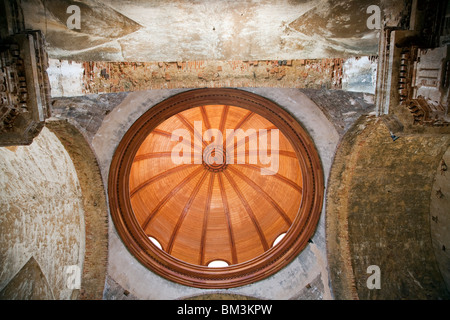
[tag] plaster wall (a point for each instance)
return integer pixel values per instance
(41, 215)
(187, 30)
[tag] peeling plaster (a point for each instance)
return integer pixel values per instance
(210, 30)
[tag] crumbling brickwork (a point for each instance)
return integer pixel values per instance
(106, 77)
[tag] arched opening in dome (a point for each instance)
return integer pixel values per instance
(218, 264)
(278, 239)
(155, 242)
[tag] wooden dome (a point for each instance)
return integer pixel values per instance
(206, 210)
(185, 192)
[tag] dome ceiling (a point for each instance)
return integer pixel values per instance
(219, 203)
(215, 177)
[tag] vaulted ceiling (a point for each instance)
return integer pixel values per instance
(184, 30)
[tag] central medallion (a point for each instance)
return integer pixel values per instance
(215, 158)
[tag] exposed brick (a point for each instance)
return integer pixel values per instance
(133, 76)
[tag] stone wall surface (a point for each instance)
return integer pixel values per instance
(41, 217)
(378, 213)
(440, 216)
(95, 208)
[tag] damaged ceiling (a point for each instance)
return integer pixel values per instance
(184, 30)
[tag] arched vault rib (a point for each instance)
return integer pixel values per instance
(227, 215)
(170, 195)
(249, 211)
(191, 128)
(185, 211)
(277, 176)
(159, 176)
(205, 219)
(265, 194)
(205, 118)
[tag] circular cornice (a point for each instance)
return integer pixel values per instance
(264, 265)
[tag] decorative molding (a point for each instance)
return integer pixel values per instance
(414, 66)
(24, 88)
